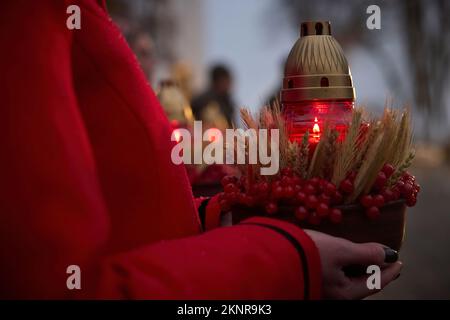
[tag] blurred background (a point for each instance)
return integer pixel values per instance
(226, 54)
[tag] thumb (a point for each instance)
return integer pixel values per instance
(367, 254)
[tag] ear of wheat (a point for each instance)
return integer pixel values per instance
(347, 151)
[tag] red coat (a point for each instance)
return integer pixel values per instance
(86, 178)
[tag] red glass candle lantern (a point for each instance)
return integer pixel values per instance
(317, 86)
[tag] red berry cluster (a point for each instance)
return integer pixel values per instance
(381, 193)
(315, 199)
(312, 198)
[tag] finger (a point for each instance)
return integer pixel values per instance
(391, 273)
(367, 254)
(358, 288)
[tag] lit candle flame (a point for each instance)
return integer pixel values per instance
(316, 128)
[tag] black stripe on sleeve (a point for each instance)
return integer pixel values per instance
(202, 212)
(298, 247)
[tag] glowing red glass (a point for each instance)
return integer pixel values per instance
(311, 116)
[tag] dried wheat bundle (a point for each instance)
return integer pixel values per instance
(369, 143)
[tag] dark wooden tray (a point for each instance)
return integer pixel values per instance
(387, 229)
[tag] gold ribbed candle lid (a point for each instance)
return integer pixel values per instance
(316, 67)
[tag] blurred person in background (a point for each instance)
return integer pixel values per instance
(215, 106)
(142, 45)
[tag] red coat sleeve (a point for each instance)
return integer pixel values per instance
(261, 258)
(52, 212)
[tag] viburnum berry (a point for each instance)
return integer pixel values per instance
(388, 170)
(378, 200)
(367, 201)
(288, 192)
(278, 192)
(296, 180)
(312, 201)
(263, 188)
(322, 210)
(314, 219)
(287, 172)
(276, 183)
(408, 177)
(301, 213)
(248, 200)
(380, 181)
(373, 212)
(241, 197)
(325, 199)
(229, 188)
(346, 186)
(320, 188)
(243, 181)
(314, 181)
(309, 189)
(388, 195)
(229, 179)
(301, 197)
(337, 198)
(407, 189)
(330, 189)
(411, 201)
(286, 181)
(253, 189)
(335, 215)
(271, 208)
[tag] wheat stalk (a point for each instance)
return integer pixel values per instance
(330, 149)
(346, 151)
(318, 161)
(304, 156)
(248, 121)
(401, 170)
(404, 139)
(368, 170)
(384, 148)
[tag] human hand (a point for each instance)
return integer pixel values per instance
(337, 253)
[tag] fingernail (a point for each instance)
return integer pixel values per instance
(390, 255)
(397, 276)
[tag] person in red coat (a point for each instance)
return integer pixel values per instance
(86, 179)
